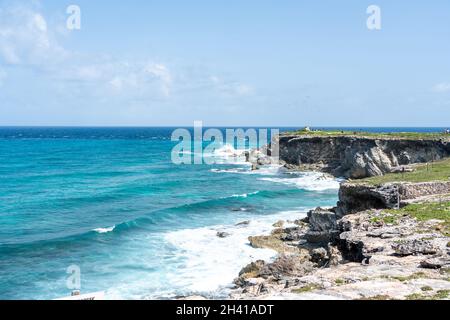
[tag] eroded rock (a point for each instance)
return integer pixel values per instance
(415, 247)
(322, 226)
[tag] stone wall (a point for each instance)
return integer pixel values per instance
(415, 190)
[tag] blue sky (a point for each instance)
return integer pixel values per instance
(227, 63)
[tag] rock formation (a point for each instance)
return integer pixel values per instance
(358, 157)
(362, 248)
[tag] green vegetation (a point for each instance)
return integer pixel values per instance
(436, 171)
(307, 288)
(339, 281)
(387, 219)
(429, 211)
(439, 295)
(416, 296)
(442, 294)
(373, 135)
(426, 288)
(413, 276)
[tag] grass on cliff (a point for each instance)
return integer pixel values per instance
(374, 135)
(428, 211)
(436, 171)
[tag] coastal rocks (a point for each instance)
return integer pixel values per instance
(280, 240)
(269, 242)
(385, 233)
(438, 262)
(358, 157)
(415, 247)
(322, 226)
(376, 255)
(279, 224)
(368, 164)
(351, 247)
(250, 271)
(326, 256)
(259, 158)
(293, 234)
(321, 220)
(356, 197)
(222, 234)
(287, 265)
(248, 276)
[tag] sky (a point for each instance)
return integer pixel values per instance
(226, 63)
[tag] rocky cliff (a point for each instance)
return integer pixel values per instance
(359, 157)
(362, 248)
(355, 197)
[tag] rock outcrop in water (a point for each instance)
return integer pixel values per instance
(358, 157)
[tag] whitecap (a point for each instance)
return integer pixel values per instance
(313, 181)
(105, 230)
(244, 195)
(268, 170)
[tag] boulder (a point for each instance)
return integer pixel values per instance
(322, 220)
(415, 247)
(436, 263)
(252, 268)
(222, 234)
(319, 256)
(286, 265)
(322, 226)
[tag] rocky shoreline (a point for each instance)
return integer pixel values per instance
(366, 247)
(373, 254)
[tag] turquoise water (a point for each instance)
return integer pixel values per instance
(111, 202)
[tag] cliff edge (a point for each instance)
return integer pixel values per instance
(360, 156)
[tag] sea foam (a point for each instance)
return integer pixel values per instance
(313, 181)
(212, 263)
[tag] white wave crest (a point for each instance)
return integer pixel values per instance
(105, 230)
(313, 181)
(245, 195)
(269, 170)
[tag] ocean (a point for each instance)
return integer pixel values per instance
(111, 202)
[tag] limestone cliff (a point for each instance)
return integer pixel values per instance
(359, 157)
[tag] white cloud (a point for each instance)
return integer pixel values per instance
(161, 72)
(25, 38)
(28, 40)
(442, 87)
